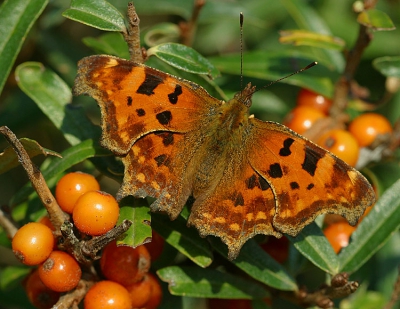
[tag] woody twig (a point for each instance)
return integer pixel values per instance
(132, 36)
(340, 287)
(73, 298)
(85, 251)
(188, 29)
(56, 215)
(353, 59)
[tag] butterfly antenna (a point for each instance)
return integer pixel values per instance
(241, 50)
(287, 76)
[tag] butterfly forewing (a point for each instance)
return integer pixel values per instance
(135, 100)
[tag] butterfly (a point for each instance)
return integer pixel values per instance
(246, 176)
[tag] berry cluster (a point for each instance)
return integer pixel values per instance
(344, 141)
(94, 213)
(362, 131)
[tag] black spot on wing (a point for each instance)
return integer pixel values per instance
(129, 100)
(164, 117)
(238, 199)
(285, 150)
(264, 185)
(161, 159)
(173, 97)
(275, 170)
(167, 137)
(311, 159)
(150, 83)
(140, 112)
(294, 185)
(310, 186)
(251, 182)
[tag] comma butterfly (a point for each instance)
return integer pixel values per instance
(247, 176)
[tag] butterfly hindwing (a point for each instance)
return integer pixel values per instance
(307, 180)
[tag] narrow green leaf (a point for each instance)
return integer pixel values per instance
(70, 157)
(309, 38)
(307, 18)
(274, 65)
(375, 19)
(9, 275)
(185, 240)
(258, 264)
(312, 244)
(388, 66)
(373, 231)
(184, 58)
(9, 159)
(17, 18)
(209, 283)
(99, 14)
(138, 212)
(110, 44)
(52, 95)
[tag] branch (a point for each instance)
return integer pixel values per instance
(56, 215)
(340, 287)
(353, 59)
(132, 36)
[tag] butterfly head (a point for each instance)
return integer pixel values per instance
(245, 95)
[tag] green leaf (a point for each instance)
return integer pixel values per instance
(375, 19)
(307, 18)
(209, 283)
(388, 66)
(309, 38)
(110, 44)
(312, 244)
(373, 231)
(183, 58)
(99, 14)
(70, 157)
(138, 212)
(162, 33)
(17, 18)
(185, 240)
(10, 274)
(9, 159)
(52, 95)
(275, 65)
(258, 264)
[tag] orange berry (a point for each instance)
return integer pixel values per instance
(366, 127)
(156, 246)
(107, 295)
(60, 272)
(342, 144)
(338, 234)
(33, 243)
(312, 99)
(301, 118)
(277, 248)
(135, 263)
(46, 221)
(38, 294)
(95, 213)
(156, 293)
(71, 186)
(140, 292)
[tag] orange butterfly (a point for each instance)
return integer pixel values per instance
(247, 176)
